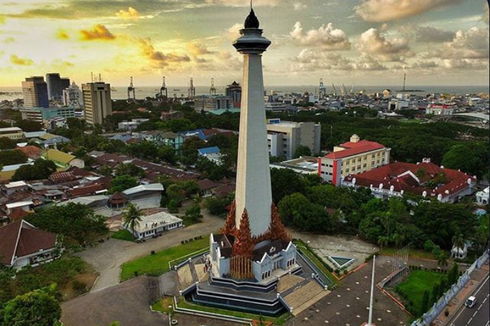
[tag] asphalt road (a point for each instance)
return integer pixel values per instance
(479, 314)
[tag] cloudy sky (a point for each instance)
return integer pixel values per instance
(365, 42)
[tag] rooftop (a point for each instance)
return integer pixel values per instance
(21, 238)
(159, 219)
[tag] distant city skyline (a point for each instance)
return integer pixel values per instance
(361, 42)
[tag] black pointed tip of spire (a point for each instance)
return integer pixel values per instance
(252, 21)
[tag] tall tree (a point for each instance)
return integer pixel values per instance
(37, 308)
(425, 302)
(131, 216)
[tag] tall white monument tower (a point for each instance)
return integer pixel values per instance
(253, 185)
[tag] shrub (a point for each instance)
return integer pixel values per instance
(79, 287)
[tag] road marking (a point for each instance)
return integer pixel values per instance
(462, 307)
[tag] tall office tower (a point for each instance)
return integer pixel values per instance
(234, 91)
(54, 86)
(35, 92)
(65, 83)
(97, 102)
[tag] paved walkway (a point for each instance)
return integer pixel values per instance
(458, 301)
(107, 258)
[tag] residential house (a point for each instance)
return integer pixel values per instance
(22, 244)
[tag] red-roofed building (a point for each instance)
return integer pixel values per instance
(354, 156)
(23, 244)
(32, 152)
(423, 179)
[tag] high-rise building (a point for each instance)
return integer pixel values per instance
(65, 83)
(72, 96)
(97, 102)
(234, 91)
(56, 85)
(35, 92)
(284, 137)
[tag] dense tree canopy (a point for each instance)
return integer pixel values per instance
(122, 182)
(471, 158)
(41, 169)
(36, 308)
(76, 221)
(7, 143)
(11, 157)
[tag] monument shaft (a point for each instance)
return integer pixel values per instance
(253, 188)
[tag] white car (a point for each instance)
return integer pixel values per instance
(470, 302)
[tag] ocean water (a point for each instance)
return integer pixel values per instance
(118, 93)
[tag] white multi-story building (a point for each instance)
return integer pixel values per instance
(73, 96)
(284, 137)
(355, 156)
(440, 109)
(155, 224)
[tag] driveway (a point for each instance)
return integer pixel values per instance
(107, 258)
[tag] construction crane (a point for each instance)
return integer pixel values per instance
(163, 94)
(212, 90)
(334, 90)
(343, 90)
(352, 90)
(322, 90)
(131, 91)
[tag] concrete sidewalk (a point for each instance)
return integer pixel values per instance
(457, 302)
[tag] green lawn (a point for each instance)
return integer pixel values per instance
(123, 235)
(412, 290)
(275, 320)
(157, 264)
(163, 305)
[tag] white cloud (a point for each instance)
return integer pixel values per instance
(299, 6)
(326, 37)
(465, 64)
(472, 44)
(373, 43)
(233, 32)
(387, 10)
(432, 35)
(309, 60)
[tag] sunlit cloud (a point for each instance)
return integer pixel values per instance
(197, 49)
(245, 3)
(159, 58)
(374, 43)
(326, 36)
(62, 35)
(20, 61)
(387, 10)
(9, 40)
(131, 13)
(98, 32)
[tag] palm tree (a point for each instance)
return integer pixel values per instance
(458, 241)
(442, 259)
(132, 216)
